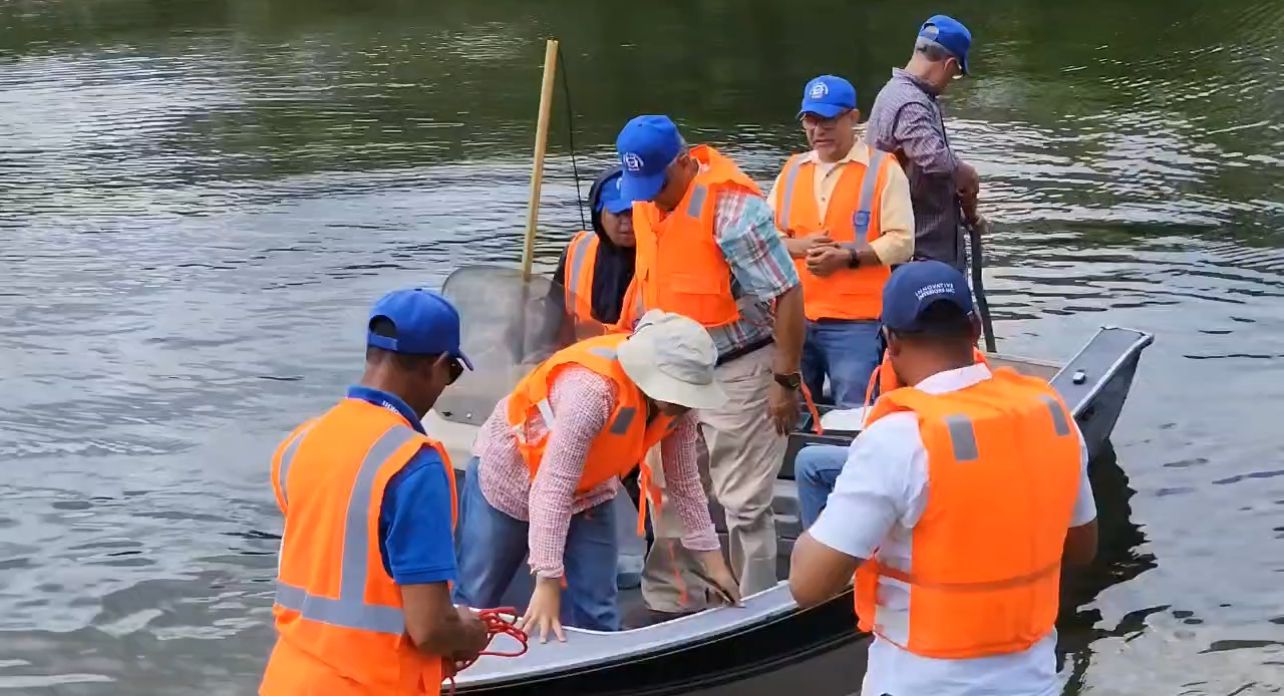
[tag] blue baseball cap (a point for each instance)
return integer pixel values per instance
(426, 324)
(610, 198)
(918, 285)
(950, 34)
(827, 96)
(647, 146)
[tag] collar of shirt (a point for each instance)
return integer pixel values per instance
(917, 81)
(858, 153)
(392, 402)
(954, 380)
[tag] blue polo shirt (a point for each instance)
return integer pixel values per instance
(415, 538)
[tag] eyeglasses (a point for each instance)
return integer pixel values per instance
(456, 370)
(816, 121)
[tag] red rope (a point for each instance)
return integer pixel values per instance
(811, 407)
(497, 623)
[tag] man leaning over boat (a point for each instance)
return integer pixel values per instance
(707, 248)
(955, 510)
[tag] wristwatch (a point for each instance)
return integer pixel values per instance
(790, 380)
(853, 261)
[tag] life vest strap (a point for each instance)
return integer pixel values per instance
(1002, 584)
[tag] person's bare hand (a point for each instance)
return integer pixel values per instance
(782, 405)
(827, 260)
(543, 611)
(818, 241)
(715, 566)
(476, 637)
(966, 180)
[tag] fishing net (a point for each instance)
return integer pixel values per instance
(510, 325)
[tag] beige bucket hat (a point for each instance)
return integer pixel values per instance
(671, 358)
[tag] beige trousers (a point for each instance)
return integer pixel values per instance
(744, 456)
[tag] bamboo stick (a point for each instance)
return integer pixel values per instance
(537, 166)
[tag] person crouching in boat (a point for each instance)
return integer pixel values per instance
(956, 509)
(595, 272)
(546, 462)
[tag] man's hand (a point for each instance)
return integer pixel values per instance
(782, 404)
(799, 247)
(475, 635)
(543, 610)
(968, 185)
(966, 179)
(715, 566)
(826, 260)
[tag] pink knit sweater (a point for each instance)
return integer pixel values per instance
(583, 401)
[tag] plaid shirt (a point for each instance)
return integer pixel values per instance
(906, 120)
(761, 268)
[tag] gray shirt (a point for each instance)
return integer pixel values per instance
(906, 120)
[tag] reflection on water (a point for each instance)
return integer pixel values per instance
(199, 198)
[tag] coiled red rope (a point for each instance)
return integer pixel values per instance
(497, 623)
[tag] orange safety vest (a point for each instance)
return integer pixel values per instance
(680, 266)
(853, 214)
(620, 446)
(1003, 475)
(581, 259)
(339, 621)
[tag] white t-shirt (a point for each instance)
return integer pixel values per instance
(877, 500)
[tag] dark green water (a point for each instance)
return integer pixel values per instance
(199, 198)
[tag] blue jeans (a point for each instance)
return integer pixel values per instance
(493, 546)
(847, 351)
(816, 467)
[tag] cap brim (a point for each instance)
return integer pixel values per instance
(464, 359)
(823, 110)
(618, 206)
(662, 387)
(638, 187)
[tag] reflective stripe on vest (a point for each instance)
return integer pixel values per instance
(580, 250)
(287, 457)
(350, 610)
(696, 203)
(788, 202)
(860, 219)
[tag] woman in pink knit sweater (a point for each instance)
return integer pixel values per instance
(567, 533)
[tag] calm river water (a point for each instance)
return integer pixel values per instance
(199, 198)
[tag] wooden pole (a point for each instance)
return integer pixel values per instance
(537, 167)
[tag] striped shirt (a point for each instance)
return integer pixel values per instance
(583, 401)
(906, 120)
(761, 268)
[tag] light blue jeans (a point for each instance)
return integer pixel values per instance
(493, 546)
(816, 468)
(847, 351)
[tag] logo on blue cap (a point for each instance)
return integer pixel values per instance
(827, 96)
(917, 285)
(633, 162)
